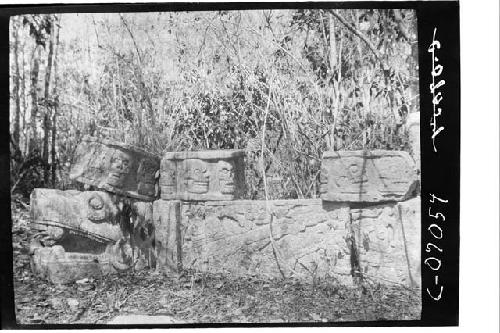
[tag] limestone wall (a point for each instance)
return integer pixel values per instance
(311, 238)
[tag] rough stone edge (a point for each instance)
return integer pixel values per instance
(119, 145)
(204, 154)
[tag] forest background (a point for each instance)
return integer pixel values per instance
(283, 85)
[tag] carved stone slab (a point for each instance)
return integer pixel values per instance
(387, 239)
(367, 176)
(117, 168)
(76, 220)
(202, 175)
(83, 234)
(234, 237)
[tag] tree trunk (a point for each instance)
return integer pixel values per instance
(332, 62)
(56, 104)
(48, 106)
(17, 120)
(35, 66)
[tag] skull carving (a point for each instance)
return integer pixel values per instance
(168, 177)
(197, 177)
(226, 177)
(119, 168)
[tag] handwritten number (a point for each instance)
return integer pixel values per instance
(428, 249)
(438, 297)
(435, 261)
(437, 198)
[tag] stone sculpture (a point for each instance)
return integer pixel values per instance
(203, 175)
(117, 168)
(367, 176)
(91, 233)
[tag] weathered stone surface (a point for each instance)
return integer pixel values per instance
(202, 175)
(413, 125)
(166, 215)
(311, 238)
(367, 176)
(61, 267)
(234, 237)
(117, 168)
(387, 245)
(411, 222)
(84, 234)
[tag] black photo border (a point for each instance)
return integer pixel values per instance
(440, 171)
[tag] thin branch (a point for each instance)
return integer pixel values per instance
(360, 35)
(132, 37)
(271, 237)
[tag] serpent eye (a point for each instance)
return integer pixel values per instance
(96, 203)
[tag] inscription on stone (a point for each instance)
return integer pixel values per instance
(367, 176)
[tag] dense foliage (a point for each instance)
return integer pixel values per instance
(285, 85)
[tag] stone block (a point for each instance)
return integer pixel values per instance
(367, 176)
(166, 217)
(83, 234)
(387, 242)
(235, 237)
(117, 168)
(411, 223)
(61, 267)
(202, 175)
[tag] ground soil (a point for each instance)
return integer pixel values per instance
(194, 297)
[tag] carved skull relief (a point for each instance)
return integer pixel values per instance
(226, 177)
(168, 177)
(119, 168)
(197, 178)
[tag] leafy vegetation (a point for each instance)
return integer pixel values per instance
(317, 79)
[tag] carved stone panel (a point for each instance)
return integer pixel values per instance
(367, 176)
(309, 237)
(117, 168)
(387, 239)
(82, 234)
(202, 175)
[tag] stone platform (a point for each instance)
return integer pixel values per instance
(309, 238)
